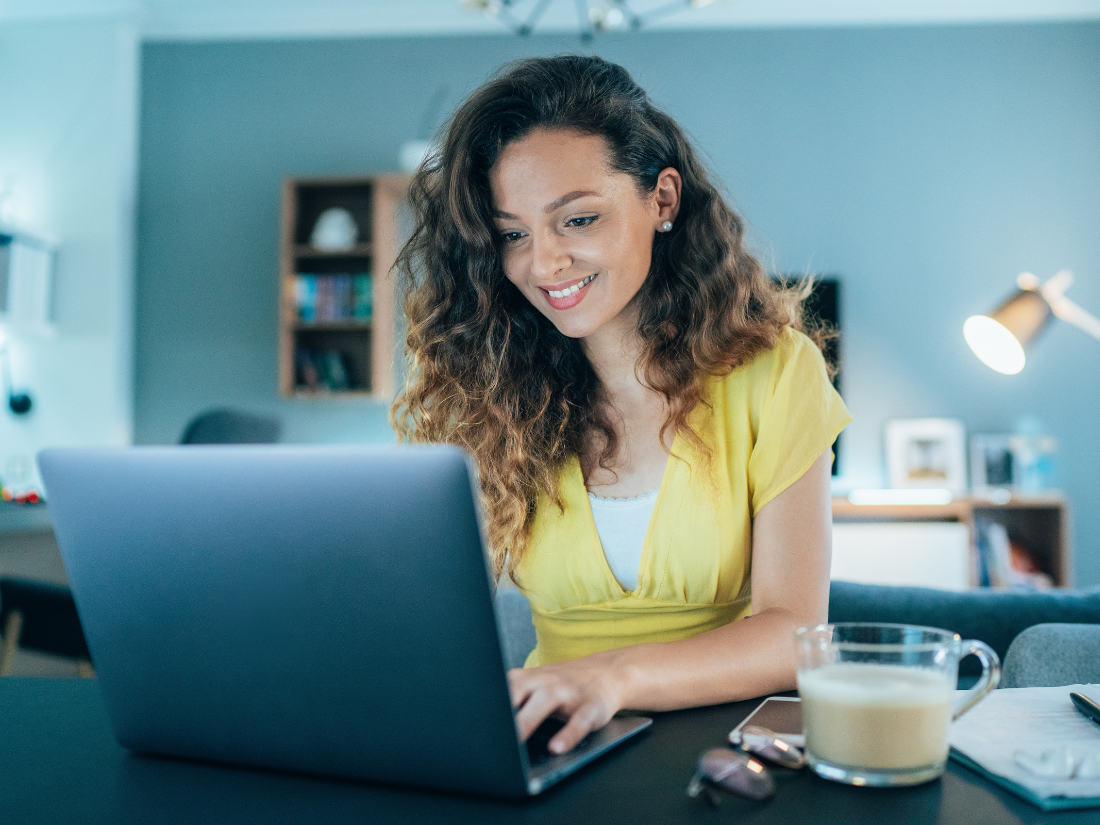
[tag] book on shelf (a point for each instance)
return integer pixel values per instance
(305, 297)
(334, 370)
(335, 298)
(363, 302)
(1003, 562)
(322, 370)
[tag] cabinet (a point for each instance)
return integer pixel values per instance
(920, 543)
(337, 308)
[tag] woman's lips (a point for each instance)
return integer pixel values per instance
(569, 294)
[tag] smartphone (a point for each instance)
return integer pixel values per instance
(779, 714)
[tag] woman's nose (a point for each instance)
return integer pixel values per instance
(549, 255)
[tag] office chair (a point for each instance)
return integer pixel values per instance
(41, 617)
(1052, 655)
(231, 427)
(514, 612)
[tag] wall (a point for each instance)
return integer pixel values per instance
(926, 166)
(68, 157)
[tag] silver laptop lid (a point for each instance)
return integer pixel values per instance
(319, 609)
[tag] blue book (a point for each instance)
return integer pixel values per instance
(305, 297)
(342, 298)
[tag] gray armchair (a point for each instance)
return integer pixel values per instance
(514, 618)
(231, 427)
(1052, 655)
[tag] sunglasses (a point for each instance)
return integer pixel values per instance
(740, 772)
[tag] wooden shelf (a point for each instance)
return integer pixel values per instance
(958, 509)
(363, 250)
(327, 351)
(301, 394)
(1039, 522)
(333, 326)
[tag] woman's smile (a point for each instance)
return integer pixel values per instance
(568, 294)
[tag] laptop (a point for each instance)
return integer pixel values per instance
(326, 610)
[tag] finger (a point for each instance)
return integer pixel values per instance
(521, 684)
(542, 702)
(586, 719)
(534, 712)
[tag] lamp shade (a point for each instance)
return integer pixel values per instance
(1000, 338)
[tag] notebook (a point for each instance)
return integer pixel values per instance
(1015, 727)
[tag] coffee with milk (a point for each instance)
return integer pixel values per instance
(877, 699)
(876, 716)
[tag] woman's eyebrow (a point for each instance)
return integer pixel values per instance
(550, 207)
(564, 199)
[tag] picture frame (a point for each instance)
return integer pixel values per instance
(991, 462)
(926, 453)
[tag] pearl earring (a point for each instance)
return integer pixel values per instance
(666, 226)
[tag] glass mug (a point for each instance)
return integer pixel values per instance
(878, 699)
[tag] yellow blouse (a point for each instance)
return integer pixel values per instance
(765, 424)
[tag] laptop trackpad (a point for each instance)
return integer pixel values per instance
(546, 768)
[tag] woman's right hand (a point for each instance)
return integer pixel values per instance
(585, 693)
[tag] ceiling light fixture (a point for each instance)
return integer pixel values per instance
(601, 17)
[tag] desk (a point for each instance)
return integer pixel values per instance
(28, 548)
(15, 517)
(60, 763)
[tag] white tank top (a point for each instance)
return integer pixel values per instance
(622, 524)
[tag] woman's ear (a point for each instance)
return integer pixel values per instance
(666, 197)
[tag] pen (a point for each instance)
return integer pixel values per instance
(1086, 706)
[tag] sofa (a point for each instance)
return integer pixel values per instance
(995, 617)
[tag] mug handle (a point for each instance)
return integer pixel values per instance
(991, 674)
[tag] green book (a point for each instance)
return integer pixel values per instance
(363, 300)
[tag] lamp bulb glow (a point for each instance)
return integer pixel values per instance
(997, 348)
(1028, 281)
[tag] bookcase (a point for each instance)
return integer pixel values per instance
(337, 307)
(1036, 525)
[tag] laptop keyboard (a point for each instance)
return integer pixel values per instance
(538, 744)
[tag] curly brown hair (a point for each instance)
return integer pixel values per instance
(492, 374)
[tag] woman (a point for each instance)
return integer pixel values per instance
(651, 430)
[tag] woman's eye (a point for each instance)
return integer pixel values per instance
(581, 222)
(510, 237)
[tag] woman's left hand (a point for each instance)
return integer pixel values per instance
(583, 692)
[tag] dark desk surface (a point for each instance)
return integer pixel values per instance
(59, 763)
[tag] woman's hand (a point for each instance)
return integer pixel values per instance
(585, 692)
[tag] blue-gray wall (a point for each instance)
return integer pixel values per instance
(926, 166)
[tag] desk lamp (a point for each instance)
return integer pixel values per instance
(1000, 338)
